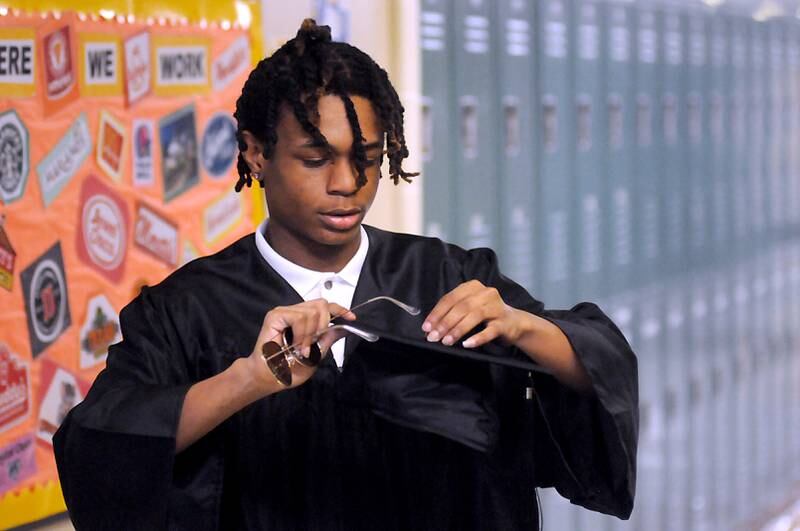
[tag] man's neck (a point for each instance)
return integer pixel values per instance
(310, 254)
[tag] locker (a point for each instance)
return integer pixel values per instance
(476, 192)
(616, 105)
(673, 193)
(554, 32)
(758, 186)
(587, 153)
(556, 133)
(516, 66)
(699, 275)
(743, 230)
(722, 171)
(651, 486)
(438, 176)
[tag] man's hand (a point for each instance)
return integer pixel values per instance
(211, 401)
(306, 320)
(467, 306)
(472, 303)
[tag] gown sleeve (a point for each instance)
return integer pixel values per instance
(115, 451)
(589, 454)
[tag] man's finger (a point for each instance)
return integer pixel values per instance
(447, 302)
(467, 323)
(337, 311)
(486, 335)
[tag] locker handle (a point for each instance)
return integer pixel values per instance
(716, 381)
(670, 118)
(736, 372)
(695, 391)
(644, 121)
(468, 116)
(512, 126)
(615, 121)
(427, 130)
(644, 417)
(583, 116)
(670, 404)
(550, 123)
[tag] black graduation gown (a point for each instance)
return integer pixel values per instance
(419, 443)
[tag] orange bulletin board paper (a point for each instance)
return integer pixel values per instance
(100, 196)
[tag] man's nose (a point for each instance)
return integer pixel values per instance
(343, 177)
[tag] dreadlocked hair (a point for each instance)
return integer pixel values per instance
(299, 73)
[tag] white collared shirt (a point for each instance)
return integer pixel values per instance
(337, 287)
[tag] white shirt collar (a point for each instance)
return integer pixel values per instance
(305, 280)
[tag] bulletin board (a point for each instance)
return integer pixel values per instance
(117, 165)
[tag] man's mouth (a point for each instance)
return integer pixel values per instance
(341, 219)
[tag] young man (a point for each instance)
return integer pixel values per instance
(185, 430)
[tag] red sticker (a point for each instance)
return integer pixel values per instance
(7, 259)
(156, 235)
(58, 67)
(102, 229)
(59, 391)
(138, 82)
(15, 403)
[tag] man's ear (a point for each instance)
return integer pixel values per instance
(253, 154)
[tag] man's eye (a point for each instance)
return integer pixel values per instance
(314, 163)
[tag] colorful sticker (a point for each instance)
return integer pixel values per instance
(179, 166)
(219, 147)
(138, 81)
(102, 238)
(17, 462)
(7, 258)
(231, 63)
(65, 159)
(155, 235)
(222, 216)
(111, 142)
(99, 331)
(181, 65)
(100, 61)
(60, 83)
(61, 392)
(14, 156)
(17, 62)
(46, 301)
(144, 133)
(14, 389)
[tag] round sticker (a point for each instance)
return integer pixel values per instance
(219, 145)
(103, 231)
(13, 156)
(47, 300)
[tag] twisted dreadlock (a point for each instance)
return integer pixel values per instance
(298, 74)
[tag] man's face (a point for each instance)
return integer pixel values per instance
(311, 191)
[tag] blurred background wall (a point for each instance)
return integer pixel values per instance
(642, 154)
